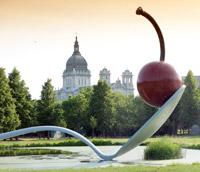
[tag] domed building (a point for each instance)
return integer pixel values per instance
(75, 76)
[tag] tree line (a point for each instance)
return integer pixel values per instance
(95, 111)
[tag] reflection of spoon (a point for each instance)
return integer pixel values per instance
(146, 131)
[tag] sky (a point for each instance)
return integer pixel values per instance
(37, 37)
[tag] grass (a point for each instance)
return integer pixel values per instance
(61, 142)
(185, 142)
(21, 152)
(190, 142)
(8, 148)
(171, 168)
(180, 140)
(163, 149)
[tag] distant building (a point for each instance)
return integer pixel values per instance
(75, 76)
(125, 87)
(104, 75)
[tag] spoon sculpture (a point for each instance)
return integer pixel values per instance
(146, 131)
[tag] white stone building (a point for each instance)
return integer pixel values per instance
(125, 87)
(75, 76)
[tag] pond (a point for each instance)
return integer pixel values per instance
(86, 158)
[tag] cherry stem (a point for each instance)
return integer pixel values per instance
(140, 11)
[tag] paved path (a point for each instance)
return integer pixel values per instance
(86, 158)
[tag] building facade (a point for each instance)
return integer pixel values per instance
(75, 76)
(125, 86)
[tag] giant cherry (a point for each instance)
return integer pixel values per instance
(157, 81)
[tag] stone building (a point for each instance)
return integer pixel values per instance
(125, 87)
(104, 75)
(75, 76)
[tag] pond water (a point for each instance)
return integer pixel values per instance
(86, 158)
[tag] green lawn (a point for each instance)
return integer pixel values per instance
(21, 152)
(98, 141)
(24, 142)
(105, 141)
(171, 168)
(190, 140)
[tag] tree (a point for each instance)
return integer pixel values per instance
(75, 112)
(57, 115)
(189, 103)
(124, 115)
(34, 116)
(9, 119)
(170, 127)
(49, 112)
(85, 117)
(23, 102)
(187, 111)
(93, 124)
(143, 111)
(101, 107)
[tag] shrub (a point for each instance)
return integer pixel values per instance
(163, 149)
(20, 152)
(70, 142)
(194, 146)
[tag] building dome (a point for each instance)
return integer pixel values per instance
(76, 61)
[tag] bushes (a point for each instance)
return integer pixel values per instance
(19, 152)
(162, 149)
(67, 142)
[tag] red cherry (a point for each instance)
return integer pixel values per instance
(157, 81)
